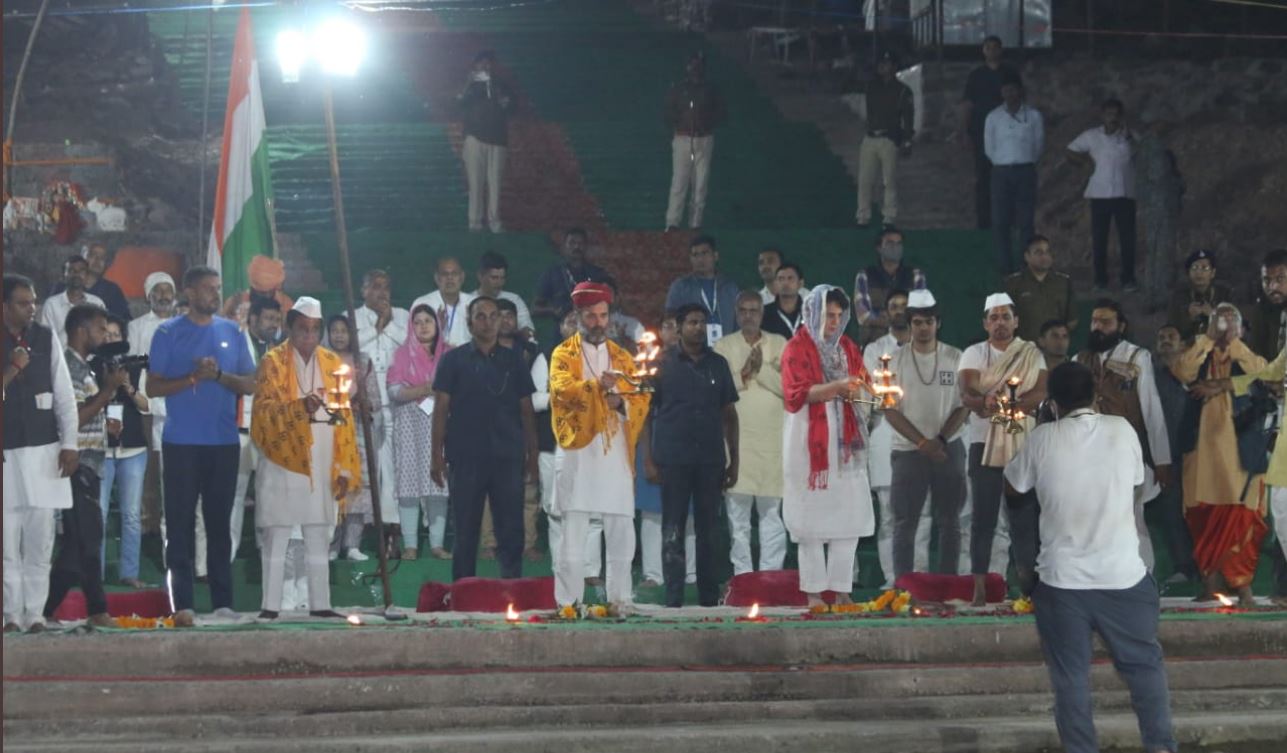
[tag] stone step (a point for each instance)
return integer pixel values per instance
(575, 687)
(513, 647)
(1227, 731)
(345, 720)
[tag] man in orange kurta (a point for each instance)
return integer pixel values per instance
(1224, 504)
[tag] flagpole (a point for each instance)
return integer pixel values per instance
(341, 231)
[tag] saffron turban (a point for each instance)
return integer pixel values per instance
(587, 294)
(266, 275)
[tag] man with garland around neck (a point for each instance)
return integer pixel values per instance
(596, 425)
(309, 464)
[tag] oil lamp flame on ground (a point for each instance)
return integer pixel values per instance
(511, 614)
(755, 610)
(353, 619)
(1224, 600)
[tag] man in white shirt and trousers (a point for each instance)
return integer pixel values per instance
(41, 453)
(382, 328)
(1091, 576)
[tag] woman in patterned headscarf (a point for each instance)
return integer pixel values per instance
(826, 496)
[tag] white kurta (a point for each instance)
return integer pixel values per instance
(840, 511)
(590, 479)
(455, 319)
(287, 498)
(31, 474)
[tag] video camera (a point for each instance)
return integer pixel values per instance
(113, 356)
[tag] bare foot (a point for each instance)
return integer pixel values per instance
(815, 600)
(980, 592)
(844, 599)
(1246, 599)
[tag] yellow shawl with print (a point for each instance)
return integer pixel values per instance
(1023, 360)
(579, 407)
(281, 427)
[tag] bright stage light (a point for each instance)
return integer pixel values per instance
(336, 46)
(339, 47)
(292, 52)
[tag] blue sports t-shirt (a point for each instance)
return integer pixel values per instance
(205, 413)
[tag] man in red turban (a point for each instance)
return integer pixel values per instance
(596, 424)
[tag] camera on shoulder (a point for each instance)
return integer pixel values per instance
(114, 356)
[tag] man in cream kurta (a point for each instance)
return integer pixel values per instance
(755, 363)
(596, 428)
(307, 463)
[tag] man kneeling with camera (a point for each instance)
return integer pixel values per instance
(78, 560)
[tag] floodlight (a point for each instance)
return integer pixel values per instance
(292, 53)
(339, 47)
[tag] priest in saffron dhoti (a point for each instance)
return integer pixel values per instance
(826, 501)
(308, 463)
(596, 427)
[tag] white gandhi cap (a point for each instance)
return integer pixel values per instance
(310, 307)
(997, 299)
(920, 299)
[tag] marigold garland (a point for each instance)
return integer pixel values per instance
(134, 622)
(1023, 605)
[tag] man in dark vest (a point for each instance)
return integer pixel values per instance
(40, 453)
(1125, 386)
(872, 285)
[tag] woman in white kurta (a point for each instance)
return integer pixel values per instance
(826, 496)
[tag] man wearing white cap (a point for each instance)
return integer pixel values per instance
(879, 473)
(928, 455)
(986, 371)
(159, 290)
(309, 455)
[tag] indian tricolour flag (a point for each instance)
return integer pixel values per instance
(241, 228)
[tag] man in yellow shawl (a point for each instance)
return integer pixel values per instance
(1224, 491)
(308, 463)
(596, 427)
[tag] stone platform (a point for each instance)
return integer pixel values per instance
(683, 680)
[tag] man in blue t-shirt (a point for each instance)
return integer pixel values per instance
(201, 365)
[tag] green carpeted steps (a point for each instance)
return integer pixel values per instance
(396, 176)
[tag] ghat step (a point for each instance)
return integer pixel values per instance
(1239, 731)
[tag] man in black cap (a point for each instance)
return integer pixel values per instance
(694, 108)
(982, 96)
(1192, 304)
(890, 113)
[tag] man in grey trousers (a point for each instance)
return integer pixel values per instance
(928, 455)
(1092, 578)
